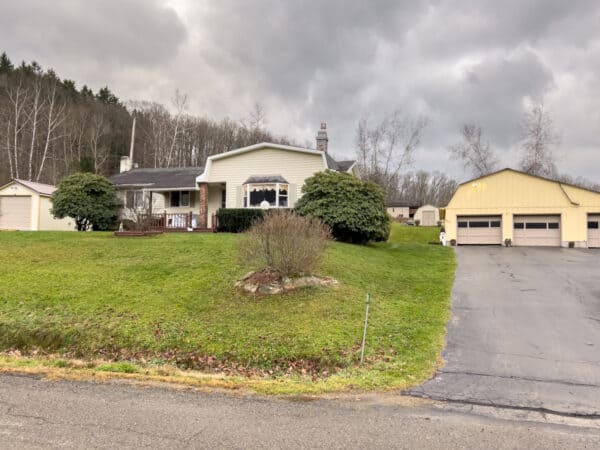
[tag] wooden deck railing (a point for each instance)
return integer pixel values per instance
(171, 222)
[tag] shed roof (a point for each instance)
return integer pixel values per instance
(40, 188)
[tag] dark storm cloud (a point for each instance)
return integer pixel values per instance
(131, 32)
(339, 60)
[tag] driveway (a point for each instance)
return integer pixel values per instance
(525, 331)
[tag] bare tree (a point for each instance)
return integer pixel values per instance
(539, 139)
(474, 152)
(35, 113)
(180, 104)
(55, 116)
(257, 118)
(422, 187)
(388, 148)
(18, 96)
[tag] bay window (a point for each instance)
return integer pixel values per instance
(258, 195)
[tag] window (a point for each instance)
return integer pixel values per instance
(223, 198)
(283, 195)
(185, 198)
(495, 224)
(553, 226)
(275, 194)
(519, 225)
(536, 226)
(134, 199)
(479, 224)
(175, 197)
(593, 225)
(181, 198)
(462, 224)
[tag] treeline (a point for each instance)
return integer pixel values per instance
(49, 128)
(422, 188)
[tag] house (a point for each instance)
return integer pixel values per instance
(398, 210)
(526, 209)
(427, 215)
(25, 205)
(249, 177)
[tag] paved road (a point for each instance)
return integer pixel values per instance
(525, 330)
(65, 414)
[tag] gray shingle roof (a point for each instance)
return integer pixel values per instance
(266, 179)
(340, 166)
(171, 178)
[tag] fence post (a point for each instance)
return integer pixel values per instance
(362, 348)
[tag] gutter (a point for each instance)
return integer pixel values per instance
(567, 195)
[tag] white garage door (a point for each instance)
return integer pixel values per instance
(593, 226)
(474, 230)
(536, 231)
(15, 213)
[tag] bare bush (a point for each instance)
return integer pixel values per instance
(284, 241)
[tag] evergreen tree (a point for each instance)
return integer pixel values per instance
(6, 66)
(106, 96)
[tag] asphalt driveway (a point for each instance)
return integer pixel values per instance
(525, 330)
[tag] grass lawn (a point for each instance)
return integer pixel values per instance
(169, 299)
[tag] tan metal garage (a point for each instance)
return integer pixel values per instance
(15, 213)
(536, 231)
(479, 230)
(593, 226)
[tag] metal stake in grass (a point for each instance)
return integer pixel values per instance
(362, 348)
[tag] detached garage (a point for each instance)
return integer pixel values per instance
(524, 210)
(25, 205)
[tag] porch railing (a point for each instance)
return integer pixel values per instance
(172, 222)
(167, 221)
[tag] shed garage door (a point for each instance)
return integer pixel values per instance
(593, 226)
(15, 213)
(536, 231)
(428, 218)
(475, 230)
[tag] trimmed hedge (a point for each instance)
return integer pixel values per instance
(237, 220)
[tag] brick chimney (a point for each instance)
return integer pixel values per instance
(322, 138)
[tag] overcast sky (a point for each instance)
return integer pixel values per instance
(337, 60)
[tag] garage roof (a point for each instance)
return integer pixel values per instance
(529, 175)
(40, 188)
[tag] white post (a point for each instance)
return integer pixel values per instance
(362, 348)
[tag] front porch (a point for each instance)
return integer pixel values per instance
(173, 222)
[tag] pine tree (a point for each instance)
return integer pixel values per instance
(6, 66)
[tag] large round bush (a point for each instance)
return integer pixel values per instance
(353, 209)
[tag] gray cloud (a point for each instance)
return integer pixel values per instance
(308, 61)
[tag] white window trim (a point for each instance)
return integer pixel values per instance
(248, 188)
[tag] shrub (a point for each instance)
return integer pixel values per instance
(417, 222)
(236, 220)
(354, 210)
(89, 199)
(287, 242)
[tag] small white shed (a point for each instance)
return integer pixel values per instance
(25, 205)
(427, 215)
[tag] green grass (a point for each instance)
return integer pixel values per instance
(411, 234)
(170, 299)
